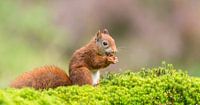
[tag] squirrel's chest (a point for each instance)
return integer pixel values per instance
(95, 77)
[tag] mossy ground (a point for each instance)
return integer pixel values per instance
(160, 86)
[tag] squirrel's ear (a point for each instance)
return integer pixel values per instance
(105, 31)
(98, 35)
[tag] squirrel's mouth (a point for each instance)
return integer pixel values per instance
(110, 53)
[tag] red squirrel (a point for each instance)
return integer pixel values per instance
(83, 67)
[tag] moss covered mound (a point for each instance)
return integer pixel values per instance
(160, 85)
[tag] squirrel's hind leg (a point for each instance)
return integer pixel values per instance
(81, 76)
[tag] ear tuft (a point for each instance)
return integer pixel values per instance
(105, 31)
(98, 35)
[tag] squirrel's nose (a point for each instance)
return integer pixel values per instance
(114, 51)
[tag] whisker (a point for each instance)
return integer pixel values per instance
(122, 49)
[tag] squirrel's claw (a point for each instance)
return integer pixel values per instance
(116, 60)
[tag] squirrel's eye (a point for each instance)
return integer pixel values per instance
(105, 44)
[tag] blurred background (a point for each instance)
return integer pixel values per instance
(34, 33)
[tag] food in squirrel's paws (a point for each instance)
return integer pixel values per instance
(112, 57)
(116, 59)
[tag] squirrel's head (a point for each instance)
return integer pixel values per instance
(106, 44)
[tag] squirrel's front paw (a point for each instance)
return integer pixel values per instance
(113, 59)
(116, 59)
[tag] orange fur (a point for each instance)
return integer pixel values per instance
(42, 78)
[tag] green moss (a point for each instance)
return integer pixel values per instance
(159, 85)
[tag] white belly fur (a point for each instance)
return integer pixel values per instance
(95, 77)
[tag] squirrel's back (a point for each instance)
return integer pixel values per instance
(42, 78)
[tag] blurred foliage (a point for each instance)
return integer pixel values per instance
(25, 34)
(158, 85)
